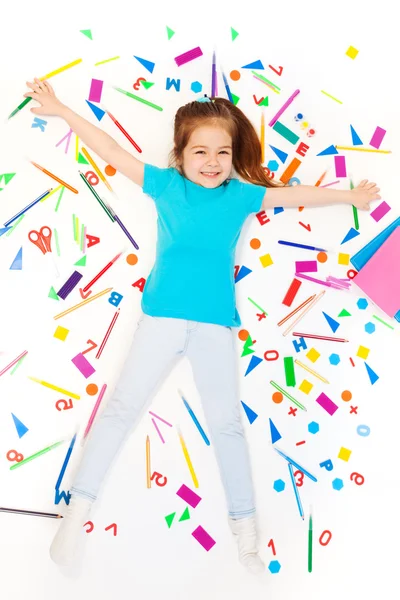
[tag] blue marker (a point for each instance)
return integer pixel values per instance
(295, 464)
(296, 491)
(295, 245)
(199, 427)
(66, 460)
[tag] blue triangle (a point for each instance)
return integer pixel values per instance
(275, 435)
(98, 113)
(352, 233)
(373, 377)
(4, 230)
(243, 271)
(329, 150)
(254, 361)
(146, 63)
(17, 262)
(355, 138)
(280, 153)
(21, 428)
(331, 322)
(278, 209)
(257, 64)
(251, 415)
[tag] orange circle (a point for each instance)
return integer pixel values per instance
(255, 243)
(243, 335)
(110, 171)
(92, 389)
(346, 395)
(277, 397)
(322, 257)
(131, 259)
(234, 75)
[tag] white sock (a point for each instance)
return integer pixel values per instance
(246, 532)
(66, 540)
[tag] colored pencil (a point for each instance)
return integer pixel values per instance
(86, 301)
(108, 265)
(296, 310)
(288, 396)
(107, 335)
(96, 168)
(12, 363)
(305, 311)
(311, 371)
(148, 474)
(188, 461)
(7, 223)
(65, 463)
(69, 187)
(94, 412)
(33, 513)
(55, 388)
(95, 194)
(319, 337)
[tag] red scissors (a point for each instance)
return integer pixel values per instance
(42, 239)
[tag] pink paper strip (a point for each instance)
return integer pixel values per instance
(188, 495)
(377, 138)
(327, 403)
(158, 431)
(340, 166)
(306, 266)
(203, 538)
(96, 88)
(84, 366)
(380, 211)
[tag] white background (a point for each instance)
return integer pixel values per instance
(146, 559)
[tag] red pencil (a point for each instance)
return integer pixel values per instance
(103, 343)
(318, 337)
(110, 264)
(126, 134)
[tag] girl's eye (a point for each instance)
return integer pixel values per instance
(203, 151)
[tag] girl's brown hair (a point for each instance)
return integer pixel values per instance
(246, 147)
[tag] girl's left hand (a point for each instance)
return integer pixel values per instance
(363, 194)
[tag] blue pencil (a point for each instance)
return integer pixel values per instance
(199, 427)
(66, 460)
(228, 89)
(296, 491)
(295, 464)
(295, 245)
(27, 207)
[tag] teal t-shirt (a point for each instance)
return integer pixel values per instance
(197, 232)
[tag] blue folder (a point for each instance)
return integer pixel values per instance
(363, 255)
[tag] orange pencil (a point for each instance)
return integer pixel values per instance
(55, 177)
(296, 310)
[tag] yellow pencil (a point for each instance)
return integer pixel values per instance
(96, 168)
(54, 387)
(311, 371)
(262, 136)
(363, 149)
(86, 301)
(189, 462)
(76, 148)
(148, 475)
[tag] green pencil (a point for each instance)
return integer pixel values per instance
(310, 543)
(95, 194)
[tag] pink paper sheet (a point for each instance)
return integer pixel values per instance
(380, 276)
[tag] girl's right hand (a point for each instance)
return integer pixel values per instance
(44, 94)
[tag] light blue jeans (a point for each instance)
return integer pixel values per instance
(158, 344)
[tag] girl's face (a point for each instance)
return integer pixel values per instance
(207, 158)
